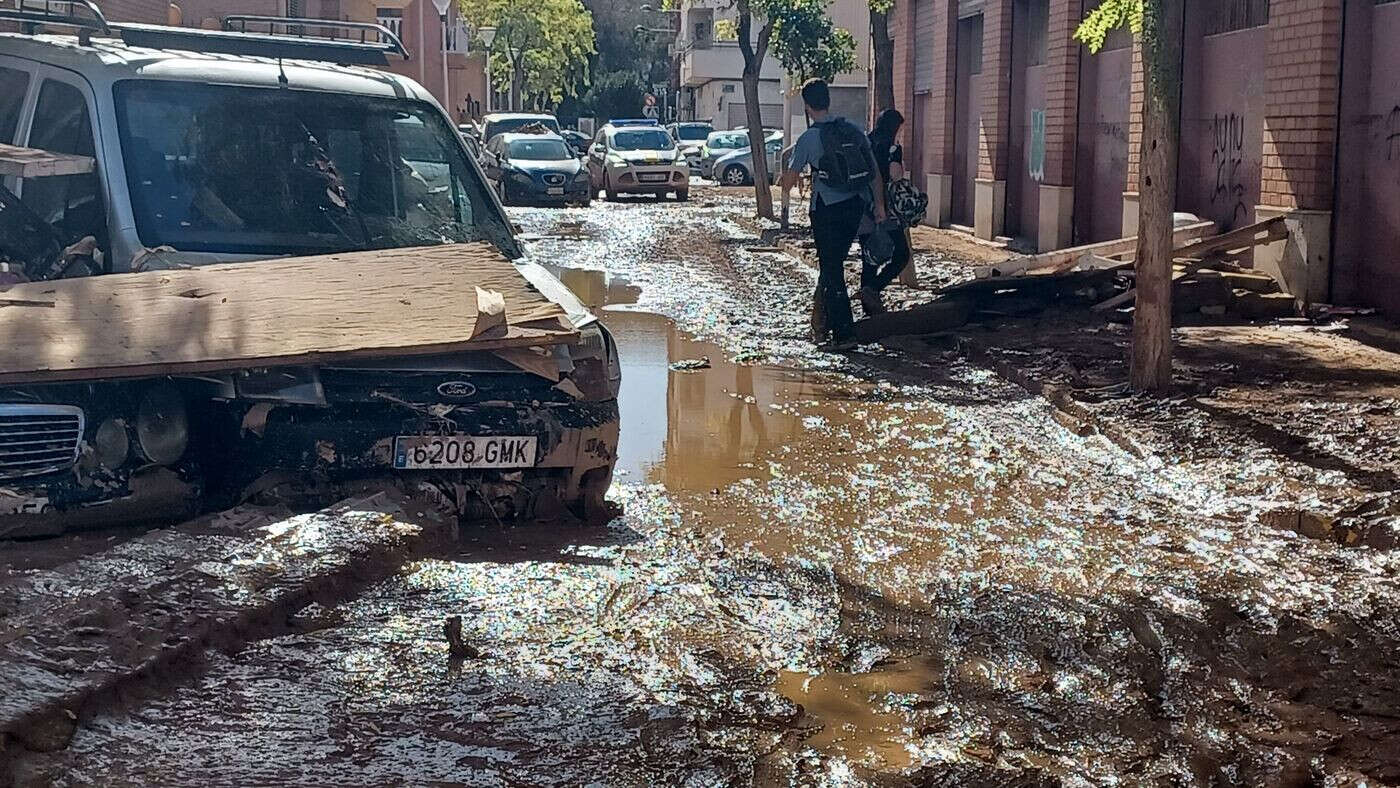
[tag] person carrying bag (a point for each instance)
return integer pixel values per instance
(885, 249)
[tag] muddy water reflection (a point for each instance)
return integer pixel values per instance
(689, 430)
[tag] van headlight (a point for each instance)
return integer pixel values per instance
(162, 425)
(111, 443)
(597, 370)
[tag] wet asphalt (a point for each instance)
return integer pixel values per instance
(831, 570)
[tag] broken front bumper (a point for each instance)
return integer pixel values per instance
(576, 447)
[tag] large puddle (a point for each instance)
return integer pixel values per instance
(692, 420)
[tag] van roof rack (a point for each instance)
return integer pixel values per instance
(32, 13)
(360, 43)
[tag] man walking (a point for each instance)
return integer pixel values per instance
(846, 186)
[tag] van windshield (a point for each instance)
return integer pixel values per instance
(642, 139)
(245, 170)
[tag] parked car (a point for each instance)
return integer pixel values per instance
(535, 169)
(736, 168)
(717, 144)
(502, 122)
(253, 155)
(471, 136)
(690, 137)
(637, 158)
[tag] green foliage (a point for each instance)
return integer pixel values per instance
(881, 6)
(543, 45)
(726, 30)
(1110, 15)
(805, 42)
(615, 94)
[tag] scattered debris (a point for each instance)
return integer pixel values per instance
(691, 364)
(456, 646)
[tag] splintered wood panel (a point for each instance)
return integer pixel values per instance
(305, 310)
(35, 163)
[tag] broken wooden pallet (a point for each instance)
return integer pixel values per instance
(1201, 253)
(1064, 259)
(306, 310)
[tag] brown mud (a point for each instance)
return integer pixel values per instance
(873, 569)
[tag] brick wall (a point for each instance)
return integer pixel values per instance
(1139, 92)
(155, 12)
(942, 94)
(1061, 92)
(901, 30)
(996, 90)
(1301, 104)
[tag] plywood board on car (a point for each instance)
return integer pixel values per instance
(306, 310)
(34, 163)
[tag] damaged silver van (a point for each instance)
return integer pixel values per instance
(234, 146)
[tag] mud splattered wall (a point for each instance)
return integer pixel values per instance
(967, 110)
(1105, 85)
(1030, 25)
(1222, 110)
(1366, 267)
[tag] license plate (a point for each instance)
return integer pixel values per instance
(554, 190)
(418, 452)
(659, 178)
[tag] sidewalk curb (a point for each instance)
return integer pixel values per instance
(88, 629)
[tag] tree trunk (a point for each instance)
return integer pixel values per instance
(762, 189)
(517, 76)
(883, 47)
(1151, 367)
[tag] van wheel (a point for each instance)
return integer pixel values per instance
(683, 195)
(608, 190)
(734, 175)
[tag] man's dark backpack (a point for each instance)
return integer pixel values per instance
(846, 163)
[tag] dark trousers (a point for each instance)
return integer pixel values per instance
(878, 277)
(834, 230)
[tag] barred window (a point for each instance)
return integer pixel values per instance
(1227, 16)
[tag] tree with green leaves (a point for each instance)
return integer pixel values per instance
(807, 45)
(541, 46)
(1158, 23)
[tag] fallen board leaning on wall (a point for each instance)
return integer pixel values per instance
(301, 310)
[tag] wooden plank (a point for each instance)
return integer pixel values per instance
(1209, 251)
(1062, 257)
(1236, 240)
(308, 310)
(34, 163)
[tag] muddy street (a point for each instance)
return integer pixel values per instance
(863, 569)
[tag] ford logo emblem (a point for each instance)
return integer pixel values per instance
(456, 389)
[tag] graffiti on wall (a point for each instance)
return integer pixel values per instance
(1037, 154)
(1227, 156)
(1392, 135)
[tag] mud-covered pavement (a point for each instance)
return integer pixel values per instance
(830, 571)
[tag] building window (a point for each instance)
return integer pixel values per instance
(727, 89)
(1227, 16)
(296, 9)
(391, 18)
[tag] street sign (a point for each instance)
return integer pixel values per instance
(651, 111)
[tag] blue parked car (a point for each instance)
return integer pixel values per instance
(536, 169)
